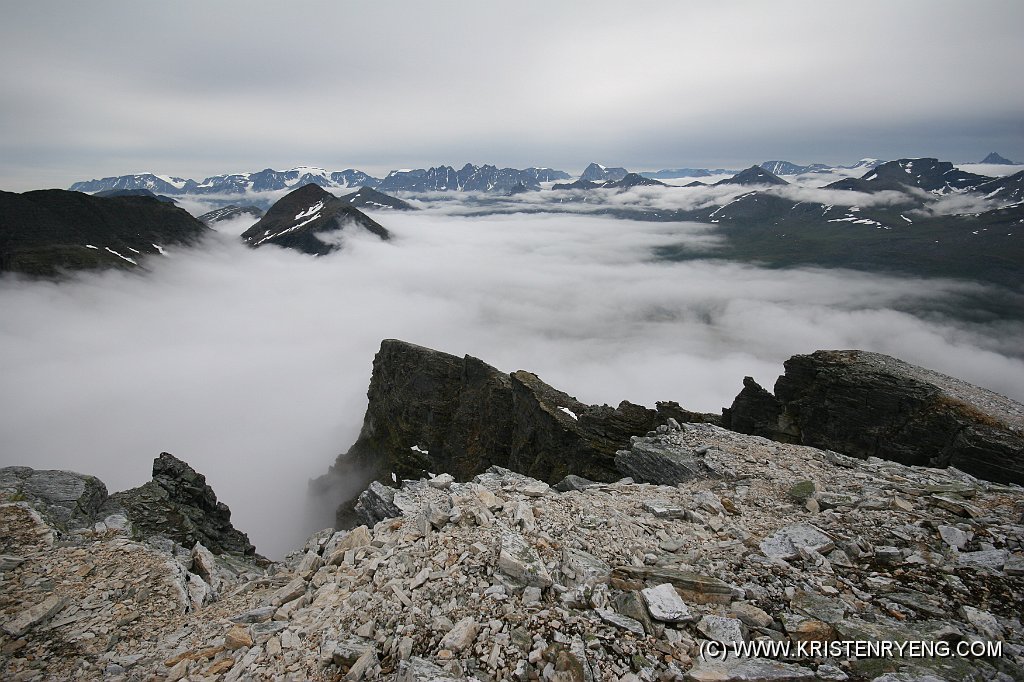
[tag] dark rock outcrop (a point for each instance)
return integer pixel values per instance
(178, 504)
(867, 404)
(67, 499)
(434, 412)
(659, 460)
(309, 219)
(46, 232)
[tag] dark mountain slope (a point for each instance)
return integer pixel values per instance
(996, 158)
(928, 174)
(229, 213)
(755, 175)
(47, 231)
(633, 180)
(366, 197)
(301, 220)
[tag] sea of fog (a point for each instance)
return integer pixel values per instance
(252, 365)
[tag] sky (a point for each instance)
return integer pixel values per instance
(253, 365)
(197, 88)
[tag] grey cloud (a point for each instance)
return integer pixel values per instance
(253, 365)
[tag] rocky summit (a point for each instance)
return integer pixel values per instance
(837, 567)
(506, 578)
(430, 411)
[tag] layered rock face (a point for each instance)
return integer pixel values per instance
(179, 504)
(434, 412)
(871, 405)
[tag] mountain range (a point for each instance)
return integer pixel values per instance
(486, 178)
(470, 178)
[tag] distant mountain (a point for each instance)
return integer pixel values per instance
(158, 184)
(578, 184)
(996, 158)
(230, 213)
(625, 182)
(755, 175)
(773, 230)
(928, 174)
(371, 199)
(670, 173)
(265, 180)
(135, 193)
(1007, 189)
(633, 180)
(49, 231)
(303, 218)
(787, 168)
(469, 178)
(595, 172)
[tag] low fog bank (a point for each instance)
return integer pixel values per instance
(252, 365)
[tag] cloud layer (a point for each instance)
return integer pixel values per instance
(253, 365)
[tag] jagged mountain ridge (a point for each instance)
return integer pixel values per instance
(486, 178)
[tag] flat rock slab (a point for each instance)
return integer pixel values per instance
(418, 669)
(786, 542)
(664, 509)
(721, 629)
(34, 615)
(665, 604)
(519, 561)
(991, 559)
(748, 670)
(620, 621)
(693, 587)
(818, 606)
(462, 635)
(664, 463)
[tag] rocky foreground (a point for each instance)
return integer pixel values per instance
(506, 578)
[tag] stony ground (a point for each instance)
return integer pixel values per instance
(505, 578)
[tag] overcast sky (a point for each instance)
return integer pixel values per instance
(198, 88)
